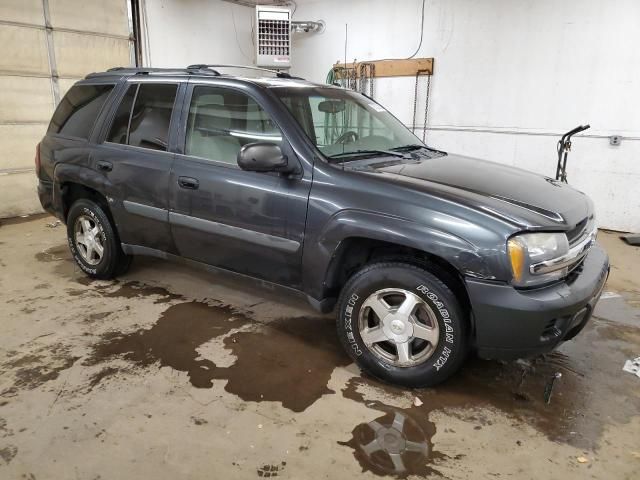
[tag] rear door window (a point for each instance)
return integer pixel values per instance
(78, 110)
(143, 116)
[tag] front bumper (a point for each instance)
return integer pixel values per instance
(511, 323)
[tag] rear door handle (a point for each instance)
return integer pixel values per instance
(105, 166)
(188, 182)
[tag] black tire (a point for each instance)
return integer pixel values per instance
(114, 261)
(453, 323)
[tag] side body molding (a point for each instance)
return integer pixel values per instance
(148, 211)
(236, 233)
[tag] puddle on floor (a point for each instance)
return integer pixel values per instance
(397, 443)
(288, 361)
(592, 393)
(172, 341)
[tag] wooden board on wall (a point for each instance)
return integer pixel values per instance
(393, 68)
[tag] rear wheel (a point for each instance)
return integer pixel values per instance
(402, 324)
(93, 241)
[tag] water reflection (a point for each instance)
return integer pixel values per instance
(392, 444)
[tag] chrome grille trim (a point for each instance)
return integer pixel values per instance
(572, 259)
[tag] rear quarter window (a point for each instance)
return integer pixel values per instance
(78, 110)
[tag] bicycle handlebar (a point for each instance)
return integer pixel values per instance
(578, 129)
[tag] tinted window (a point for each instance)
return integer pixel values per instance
(120, 125)
(221, 121)
(78, 110)
(147, 123)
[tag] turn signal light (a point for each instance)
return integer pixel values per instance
(516, 258)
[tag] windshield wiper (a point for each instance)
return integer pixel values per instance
(368, 153)
(410, 148)
(416, 146)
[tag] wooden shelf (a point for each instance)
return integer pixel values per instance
(391, 68)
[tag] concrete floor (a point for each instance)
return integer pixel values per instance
(172, 372)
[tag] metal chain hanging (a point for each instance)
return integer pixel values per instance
(426, 108)
(415, 104)
(366, 74)
(426, 104)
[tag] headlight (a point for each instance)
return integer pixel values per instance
(537, 258)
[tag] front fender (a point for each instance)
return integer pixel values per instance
(317, 256)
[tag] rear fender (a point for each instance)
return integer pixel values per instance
(87, 177)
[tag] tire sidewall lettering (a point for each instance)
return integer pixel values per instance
(347, 319)
(449, 330)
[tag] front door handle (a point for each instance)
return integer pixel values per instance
(188, 182)
(105, 166)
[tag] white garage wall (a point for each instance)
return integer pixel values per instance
(510, 77)
(184, 32)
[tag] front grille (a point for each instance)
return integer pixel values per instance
(574, 272)
(576, 233)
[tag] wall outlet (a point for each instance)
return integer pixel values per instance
(615, 140)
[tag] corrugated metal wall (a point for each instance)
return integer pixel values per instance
(47, 45)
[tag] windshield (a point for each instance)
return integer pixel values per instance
(345, 124)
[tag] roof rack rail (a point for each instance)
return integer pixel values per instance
(277, 73)
(168, 71)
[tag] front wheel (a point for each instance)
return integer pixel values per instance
(402, 324)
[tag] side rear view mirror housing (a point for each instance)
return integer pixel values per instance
(263, 157)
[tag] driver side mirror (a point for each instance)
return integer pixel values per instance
(263, 157)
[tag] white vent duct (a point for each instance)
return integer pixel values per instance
(273, 37)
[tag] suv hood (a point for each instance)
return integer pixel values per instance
(522, 197)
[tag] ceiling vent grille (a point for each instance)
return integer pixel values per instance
(273, 37)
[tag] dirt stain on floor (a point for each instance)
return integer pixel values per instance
(128, 290)
(8, 453)
(41, 365)
(574, 415)
(288, 361)
(54, 254)
(135, 289)
(99, 376)
(24, 219)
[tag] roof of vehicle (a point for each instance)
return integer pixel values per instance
(279, 78)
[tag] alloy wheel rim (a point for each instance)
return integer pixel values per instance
(398, 327)
(88, 239)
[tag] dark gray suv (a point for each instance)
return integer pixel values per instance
(425, 255)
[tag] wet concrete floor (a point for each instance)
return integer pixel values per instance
(173, 372)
